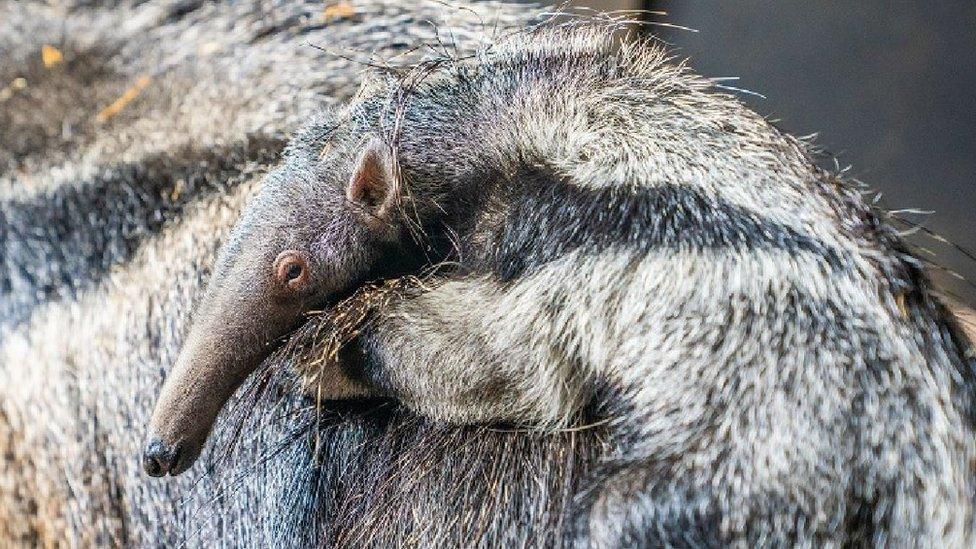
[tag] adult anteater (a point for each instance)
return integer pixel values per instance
(687, 445)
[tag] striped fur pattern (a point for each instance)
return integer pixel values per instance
(686, 425)
(621, 245)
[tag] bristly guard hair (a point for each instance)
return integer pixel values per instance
(875, 448)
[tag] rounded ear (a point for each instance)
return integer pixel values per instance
(373, 183)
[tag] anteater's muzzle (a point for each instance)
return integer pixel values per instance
(158, 459)
(213, 363)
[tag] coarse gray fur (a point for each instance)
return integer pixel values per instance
(683, 446)
(619, 244)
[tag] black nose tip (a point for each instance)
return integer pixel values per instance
(158, 459)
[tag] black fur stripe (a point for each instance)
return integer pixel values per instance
(57, 243)
(547, 217)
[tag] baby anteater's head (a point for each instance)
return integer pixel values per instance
(428, 153)
(324, 222)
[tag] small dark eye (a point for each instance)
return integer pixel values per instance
(295, 270)
(291, 269)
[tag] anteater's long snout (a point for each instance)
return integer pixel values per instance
(210, 368)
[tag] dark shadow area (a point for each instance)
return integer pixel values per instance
(888, 87)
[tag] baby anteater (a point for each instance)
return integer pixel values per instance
(617, 242)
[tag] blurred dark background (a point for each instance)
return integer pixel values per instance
(889, 86)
